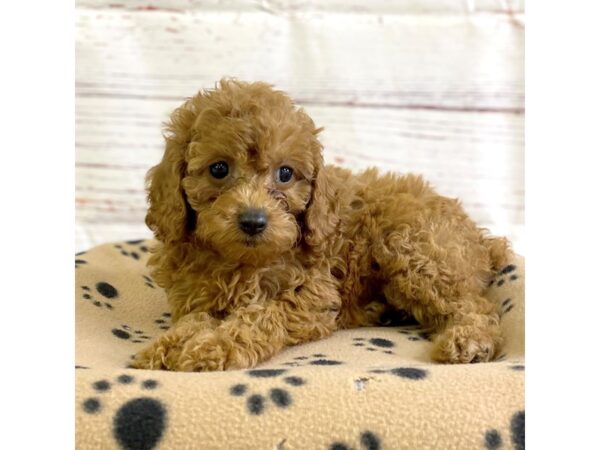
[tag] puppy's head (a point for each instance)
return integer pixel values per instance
(241, 174)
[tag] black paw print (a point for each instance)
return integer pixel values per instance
(127, 334)
(138, 423)
(140, 243)
(148, 281)
(410, 373)
(317, 359)
(416, 334)
(517, 365)
(164, 321)
(375, 344)
(136, 253)
(503, 275)
(507, 305)
(106, 290)
(492, 438)
(279, 396)
(368, 441)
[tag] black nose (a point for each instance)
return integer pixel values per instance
(252, 221)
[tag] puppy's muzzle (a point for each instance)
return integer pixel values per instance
(252, 221)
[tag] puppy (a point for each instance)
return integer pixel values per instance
(262, 246)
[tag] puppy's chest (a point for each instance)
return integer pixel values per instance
(243, 287)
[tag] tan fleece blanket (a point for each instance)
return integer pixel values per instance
(369, 388)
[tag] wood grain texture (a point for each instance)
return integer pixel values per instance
(303, 6)
(436, 91)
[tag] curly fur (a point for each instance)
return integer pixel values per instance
(341, 250)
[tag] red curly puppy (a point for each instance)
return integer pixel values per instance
(263, 247)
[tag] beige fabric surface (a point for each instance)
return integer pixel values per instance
(368, 388)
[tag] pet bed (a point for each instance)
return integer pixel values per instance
(368, 388)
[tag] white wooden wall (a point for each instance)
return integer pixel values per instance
(428, 86)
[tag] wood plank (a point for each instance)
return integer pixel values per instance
(302, 6)
(475, 157)
(447, 62)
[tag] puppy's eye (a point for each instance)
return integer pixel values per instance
(219, 169)
(284, 174)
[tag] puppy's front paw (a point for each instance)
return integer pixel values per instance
(203, 353)
(161, 355)
(461, 344)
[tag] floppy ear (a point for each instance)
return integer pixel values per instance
(169, 216)
(322, 214)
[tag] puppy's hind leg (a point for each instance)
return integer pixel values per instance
(470, 334)
(465, 324)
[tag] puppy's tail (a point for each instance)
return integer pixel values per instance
(499, 250)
